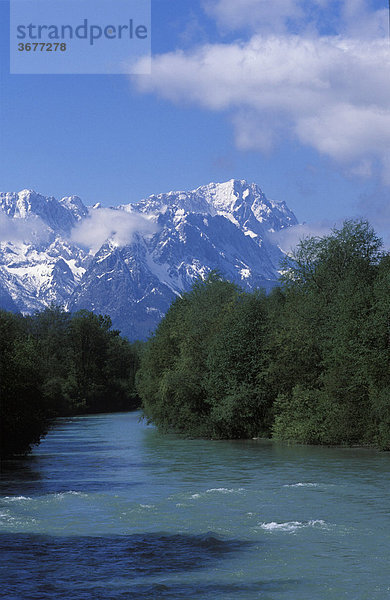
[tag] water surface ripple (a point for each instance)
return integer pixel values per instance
(107, 508)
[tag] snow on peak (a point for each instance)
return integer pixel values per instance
(26, 192)
(75, 205)
(134, 277)
(243, 203)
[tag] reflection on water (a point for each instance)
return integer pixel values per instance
(108, 508)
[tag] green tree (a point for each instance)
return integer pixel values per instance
(237, 370)
(329, 289)
(25, 416)
(172, 380)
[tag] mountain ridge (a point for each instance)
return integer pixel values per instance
(149, 254)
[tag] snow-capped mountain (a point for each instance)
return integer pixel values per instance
(138, 270)
(38, 262)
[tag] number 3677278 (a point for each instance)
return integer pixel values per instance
(42, 47)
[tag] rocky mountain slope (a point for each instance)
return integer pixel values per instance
(152, 252)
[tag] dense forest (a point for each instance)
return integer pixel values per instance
(57, 364)
(310, 362)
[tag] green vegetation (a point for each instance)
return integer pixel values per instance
(308, 363)
(56, 364)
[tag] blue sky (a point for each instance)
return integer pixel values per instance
(291, 94)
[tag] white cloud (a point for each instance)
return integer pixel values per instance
(29, 230)
(104, 224)
(256, 132)
(288, 238)
(345, 131)
(362, 20)
(255, 14)
(330, 93)
(359, 18)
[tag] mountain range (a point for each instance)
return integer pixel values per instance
(130, 261)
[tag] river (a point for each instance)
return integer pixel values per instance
(107, 508)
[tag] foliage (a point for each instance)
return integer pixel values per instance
(341, 281)
(55, 364)
(201, 372)
(173, 374)
(24, 414)
(310, 362)
(237, 370)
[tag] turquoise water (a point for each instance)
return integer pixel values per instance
(107, 508)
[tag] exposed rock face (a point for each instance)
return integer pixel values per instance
(218, 226)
